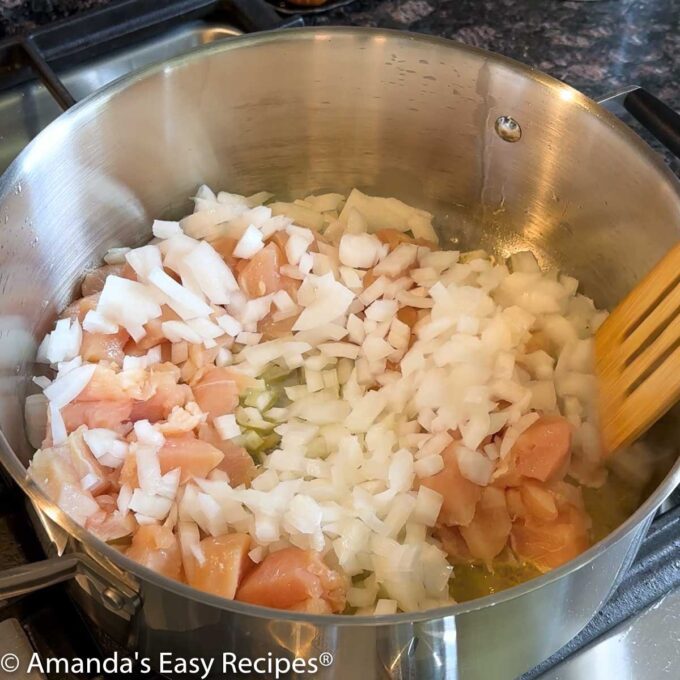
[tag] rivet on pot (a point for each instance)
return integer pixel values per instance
(508, 129)
(113, 598)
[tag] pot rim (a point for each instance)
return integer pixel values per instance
(50, 508)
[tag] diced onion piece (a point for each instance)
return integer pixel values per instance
(428, 505)
(250, 243)
(360, 251)
(144, 260)
(187, 304)
(57, 426)
(383, 607)
(65, 389)
(340, 349)
(398, 261)
(229, 324)
(129, 304)
(429, 465)
(212, 274)
(150, 505)
(226, 426)
(178, 331)
(64, 341)
(165, 229)
(94, 322)
(474, 466)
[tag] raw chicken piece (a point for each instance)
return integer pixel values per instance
(104, 386)
(94, 281)
(52, 470)
(97, 347)
(549, 543)
(110, 525)
(127, 473)
(167, 395)
(488, 532)
(237, 462)
(538, 501)
(156, 548)
(460, 494)
(217, 390)
(195, 457)
(271, 330)
(112, 415)
(154, 333)
(103, 403)
(312, 606)
(226, 563)
(80, 308)
(260, 275)
(289, 578)
(409, 316)
(542, 450)
(225, 245)
(393, 238)
(454, 544)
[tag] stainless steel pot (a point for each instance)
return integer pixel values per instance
(306, 110)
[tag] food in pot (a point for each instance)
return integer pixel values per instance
(312, 406)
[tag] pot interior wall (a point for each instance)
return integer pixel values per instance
(305, 111)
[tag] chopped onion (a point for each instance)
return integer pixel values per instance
(226, 426)
(187, 304)
(249, 244)
(65, 389)
(165, 229)
(360, 251)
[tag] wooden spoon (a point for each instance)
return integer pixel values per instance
(637, 356)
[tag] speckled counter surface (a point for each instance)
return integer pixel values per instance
(595, 46)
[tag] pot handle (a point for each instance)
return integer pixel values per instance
(29, 578)
(655, 116)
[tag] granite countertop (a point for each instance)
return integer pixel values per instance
(596, 46)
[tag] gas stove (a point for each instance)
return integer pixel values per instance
(634, 635)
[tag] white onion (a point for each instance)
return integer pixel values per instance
(178, 331)
(229, 324)
(212, 274)
(226, 426)
(360, 251)
(250, 243)
(474, 465)
(64, 341)
(187, 304)
(57, 426)
(94, 322)
(428, 504)
(400, 259)
(165, 229)
(65, 389)
(144, 260)
(149, 505)
(129, 304)
(148, 434)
